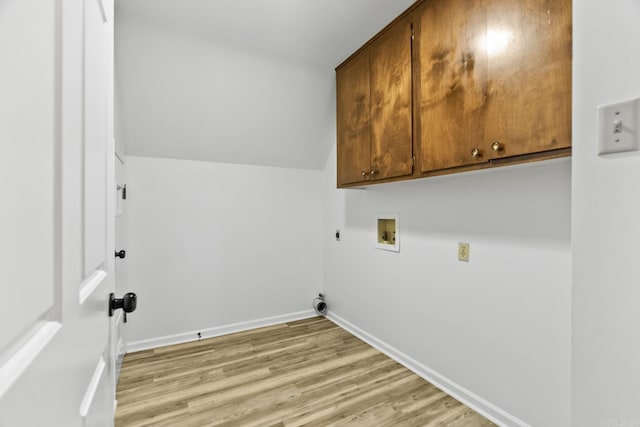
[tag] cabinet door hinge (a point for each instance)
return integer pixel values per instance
(412, 35)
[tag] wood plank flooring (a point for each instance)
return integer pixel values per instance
(309, 372)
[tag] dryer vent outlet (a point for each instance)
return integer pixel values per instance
(319, 305)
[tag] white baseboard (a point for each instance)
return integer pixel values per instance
(217, 331)
(472, 400)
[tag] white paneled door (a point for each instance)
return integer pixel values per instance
(121, 262)
(56, 221)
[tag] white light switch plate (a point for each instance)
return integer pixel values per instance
(618, 127)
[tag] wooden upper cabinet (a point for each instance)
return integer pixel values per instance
(391, 102)
(374, 110)
(486, 82)
(452, 97)
(528, 46)
(495, 80)
(353, 120)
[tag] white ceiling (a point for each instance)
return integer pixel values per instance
(234, 81)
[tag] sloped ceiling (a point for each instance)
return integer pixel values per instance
(234, 81)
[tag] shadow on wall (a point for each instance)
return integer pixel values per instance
(530, 201)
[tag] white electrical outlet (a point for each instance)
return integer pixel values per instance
(463, 251)
(618, 127)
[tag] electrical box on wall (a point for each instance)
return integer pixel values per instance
(618, 127)
(388, 232)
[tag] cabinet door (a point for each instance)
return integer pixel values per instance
(528, 44)
(391, 120)
(353, 120)
(453, 94)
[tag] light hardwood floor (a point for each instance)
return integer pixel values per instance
(310, 372)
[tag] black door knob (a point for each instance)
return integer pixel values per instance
(128, 303)
(121, 253)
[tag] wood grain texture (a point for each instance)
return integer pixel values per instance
(308, 372)
(453, 96)
(483, 71)
(529, 52)
(391, 103)
(353, 120)
(493, 70)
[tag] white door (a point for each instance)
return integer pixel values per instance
(120, 234)
(56, 226)
(121, 262)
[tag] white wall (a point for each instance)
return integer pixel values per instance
(606, 221)
(182, 92)
(213, 244)
(497, 326)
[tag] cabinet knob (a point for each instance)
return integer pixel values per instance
(373, 172)
(496, 146)
(364, 173)
(475, 153)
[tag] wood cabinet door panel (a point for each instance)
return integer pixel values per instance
(528, 44)
(391, 104)
(453, 95)
(353, 120)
